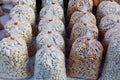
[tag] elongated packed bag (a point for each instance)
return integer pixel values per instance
(49, 64)
(53, 8)
(24, 12)
(111, 69)
(15, 27)
(50, 37)
(107, 7)
(14, 60)
(78, 5)
(85, 58)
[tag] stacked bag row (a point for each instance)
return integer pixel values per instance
(50, 56)
(108, 16)
(84, 48)
(17, 45)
